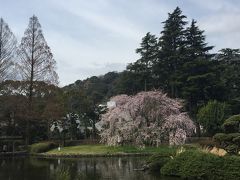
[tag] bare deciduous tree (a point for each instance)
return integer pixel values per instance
(7, 50)
(36, 61)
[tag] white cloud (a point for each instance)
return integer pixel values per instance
(118, 24)
(215, 5)
(221, 23)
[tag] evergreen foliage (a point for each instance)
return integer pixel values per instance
(200, 165)
(212, 116)
(230, 140)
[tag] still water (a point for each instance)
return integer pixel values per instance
(116, 168)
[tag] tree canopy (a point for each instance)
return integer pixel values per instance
(147, 118)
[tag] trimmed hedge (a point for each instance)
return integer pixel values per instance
(232, 124)
(222, 138)
(42, 147)
(230, 140)
(200, 165)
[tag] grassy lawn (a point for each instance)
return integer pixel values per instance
(106, 150)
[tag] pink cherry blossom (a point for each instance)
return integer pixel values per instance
(148, 118)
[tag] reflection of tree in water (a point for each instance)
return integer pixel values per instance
(73, 169)
(101, 168)
(62, 173)
(20, 168)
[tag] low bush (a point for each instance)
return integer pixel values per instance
(232, 124)
(42, 147)
(157, 161)
(229, 142)
(236, 140)
(200, 165)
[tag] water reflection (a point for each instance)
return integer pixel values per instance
(24, 168)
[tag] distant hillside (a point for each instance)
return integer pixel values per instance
(101, 88)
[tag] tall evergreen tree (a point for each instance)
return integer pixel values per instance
(148, 52)
(196, 45)
(171, 54)
(127, 83)
(229, 63)
(196, 60)
(8, 45)
(199, 77)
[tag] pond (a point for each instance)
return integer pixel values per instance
(32, 168)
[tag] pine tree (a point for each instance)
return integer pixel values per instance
(36, 62)
(7, 50)
(172, 44)
(229, 63)
(196, 45)
(148, 52)
(229, 55)
(196, 64)
(198, 76)
(196, 50)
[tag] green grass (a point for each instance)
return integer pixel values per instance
(109, 150)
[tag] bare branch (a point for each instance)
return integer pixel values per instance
(7, 51)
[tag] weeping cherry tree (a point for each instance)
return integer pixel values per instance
(148, 118)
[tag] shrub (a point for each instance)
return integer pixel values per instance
(229, 142)
(236, 140)
(200, 165)
(42, 147)
(156, 161)
(212, 116)
(232, 124)
(232, 149)
(220, 138)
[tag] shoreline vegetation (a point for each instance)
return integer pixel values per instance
(187, 161)
(98, 150)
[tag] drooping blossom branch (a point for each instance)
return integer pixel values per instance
(148, 118)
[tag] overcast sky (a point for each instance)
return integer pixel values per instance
(92, 37)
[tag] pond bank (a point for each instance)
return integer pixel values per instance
(46, 155)
(105, 151)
